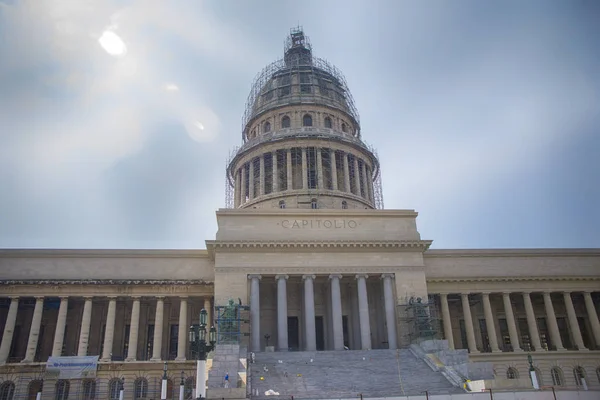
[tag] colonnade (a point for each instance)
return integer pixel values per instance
(286, 172)
(309, 311)
(532, 323)
(109, 331)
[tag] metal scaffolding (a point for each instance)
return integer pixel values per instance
(232, 322)
(420, 319)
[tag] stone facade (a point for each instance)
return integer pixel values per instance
(337, 274)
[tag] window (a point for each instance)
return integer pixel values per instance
(149, 341)
(344, 128)
(253, 134)
(556, 374)
(62, 390)
(285, 122)
(113, 388)
(328, 123)
(281, 203)
(307, 120)
(512, 373)
(188, 389)
(7, 390)
(173, 341)
(33, 389)
(267, 127)
(579, 374)
(344, 204)
(140, 388)
(89, 389)
(313, 204)
(170, 389)
(538, 375)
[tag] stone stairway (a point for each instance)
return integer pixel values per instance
(336, 374)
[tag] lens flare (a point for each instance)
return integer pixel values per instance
(112, 43)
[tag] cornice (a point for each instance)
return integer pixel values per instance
(103, 253)
(98, 282)
(409, 245)
(343, 213)
(456, 253)
(514, 279)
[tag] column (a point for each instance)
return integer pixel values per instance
(363, 312)
(243, 188)
(534, 334)
(552, 324)
(309, 313)
(158, 329)
(61, 322)
(489, 323)
(183, 325)
(236, 190)
(251, 181)
(510, 321)
(209, 311)
(390, 312)
(134, 326)
(34, 332)
(592, 316)
(275, 172)
(282, 329)
(84, 333)
(109, 332)
(255, 310)
(573, 321)
(346, 173)
(262, 174)
(334, 178)
(9, 330)
(370, 185)
(336, 312)
(320, 182)
(304, 169)
(446, 319)
(288, 158)
(356, 176)
(469, 323)
(365, 180)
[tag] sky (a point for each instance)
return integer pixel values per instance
(485, 114)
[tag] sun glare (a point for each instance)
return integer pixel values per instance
(112, 43)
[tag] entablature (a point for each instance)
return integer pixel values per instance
(514, 284)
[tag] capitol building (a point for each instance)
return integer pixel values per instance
(308, 275)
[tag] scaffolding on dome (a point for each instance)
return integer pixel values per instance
(274, 83)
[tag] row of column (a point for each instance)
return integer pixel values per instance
(84, 333)
(309, 311)
(362, 175)
(531, 321)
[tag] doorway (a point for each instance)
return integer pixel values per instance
(293, 334)
(320, 331)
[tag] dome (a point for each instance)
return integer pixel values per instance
(299, 78)
(301, 142)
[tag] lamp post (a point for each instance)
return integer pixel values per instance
(532, 374)
(163, 388)
(198, 338)
(182, 386)
(121, 388)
